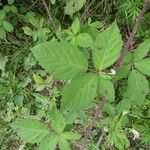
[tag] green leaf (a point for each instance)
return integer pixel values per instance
(63, 143)
(7, 26)
(138, 87)
(143, 66)
(13, 9)
(53, 1)
(2, 14)
(84, 40)
(126, 66)
(107, 47)
(63, 60)
(75, 26)
(142, 50)
(58, 121)
(10, 2)
(71, 135)
(80, 92)
(30, 130)
(79, 4)
(27, 31)
(106, 89)
(2, 33)
(3, 61)
(49, 143)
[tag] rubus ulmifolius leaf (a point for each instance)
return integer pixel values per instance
(142, 50)
(30, 130)
(106, 88)
(107, 47)
(80, 92)
(143, 66)
(138, 87)
(61, 59)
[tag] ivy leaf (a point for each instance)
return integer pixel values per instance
(106, 89)
(49, 143)
(58, 121)
(143, 66)
(80, 92)
(138, 87)
(71, 135)
(7, 26)
(30, 130)
(84, 40)
(63, 143)
(142, 50)
(107, 47)
(63, 60)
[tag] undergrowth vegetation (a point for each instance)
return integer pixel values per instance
(73, 75)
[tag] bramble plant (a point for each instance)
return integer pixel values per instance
(72, 78)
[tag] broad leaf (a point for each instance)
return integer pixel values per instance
(71, 135)
(84, 40)
(80, 92)
(63, 143)
(58, 121)
(142, 50)
(7, 26)
(30, 130)
(138, 87)
(107, 47)
(143, 66)
(106, 89)
(49, 143)
(63, 60)
(75, 26)
(126, 66)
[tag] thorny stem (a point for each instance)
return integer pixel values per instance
(49, 14)
(98, 112)
(129, 41)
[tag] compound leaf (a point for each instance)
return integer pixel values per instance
(142, 50)
(138, 87)
(71, 135)
(107, 47)
(106, 89)
(80, 92)
(143, 66)
(49, 143)
(61, 59)
(30, 130)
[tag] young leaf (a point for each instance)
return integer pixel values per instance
(2, 33)
(7, 26)
(27, 31)
(142, 50)
(49, 143)
(106, 89)
(71, 135)
(107, 47)
(75, 26)
(10, 2)
(84, 40)
(63, 143)
(143, 66)
(80, 92)
(30, 130)
(58, 121)
(138, 87)
(2, 14)
(63, 60)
